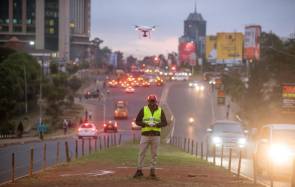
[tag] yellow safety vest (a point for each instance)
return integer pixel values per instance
(149, 118)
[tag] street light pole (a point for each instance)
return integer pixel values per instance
(26, 94)
(41, 80)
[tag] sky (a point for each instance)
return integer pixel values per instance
(113, 21)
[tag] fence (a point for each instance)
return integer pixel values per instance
(234, 160)
(29, 160)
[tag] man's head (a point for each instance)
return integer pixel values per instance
(152, 101)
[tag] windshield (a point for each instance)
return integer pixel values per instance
(227, 128)
(284, 135)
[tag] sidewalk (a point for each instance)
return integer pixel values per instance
(52, 136)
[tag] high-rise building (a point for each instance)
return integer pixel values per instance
(61, 26)
(195, 31)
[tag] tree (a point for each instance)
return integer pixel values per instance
(5, 52)
(13, 71)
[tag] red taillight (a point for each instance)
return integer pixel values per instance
(93, 129)
(104, 125)
(116, 125)
(79, 129)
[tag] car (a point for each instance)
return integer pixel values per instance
(129, 89)
(87, 129)
(159, 82)
(121, 110)
(92, 94)
(146, 84)
(227, 133)
(181, 76)
(134, 126)
(113, 83)
(197, 85)
(110, 126)
(275, 146)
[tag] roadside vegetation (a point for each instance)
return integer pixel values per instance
(260, 99)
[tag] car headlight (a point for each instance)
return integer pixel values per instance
(242, 142)
(217, 140)
(190, 84)
(280, 153)
(202, 87)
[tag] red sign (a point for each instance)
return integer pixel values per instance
(252, 42)
(187, 50)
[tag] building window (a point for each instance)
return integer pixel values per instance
(4, 20)
(51, 24)
(31, 16)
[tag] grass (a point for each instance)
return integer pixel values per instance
(127, 155)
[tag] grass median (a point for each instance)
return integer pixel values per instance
(175, 168)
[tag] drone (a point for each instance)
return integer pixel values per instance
(146, 30)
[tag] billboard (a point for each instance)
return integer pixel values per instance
(230, 48)
(252, 42)
(113, 60)
(187, 52)
(211, 49)
(288, 97)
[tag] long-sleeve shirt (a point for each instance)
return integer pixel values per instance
(139, 122)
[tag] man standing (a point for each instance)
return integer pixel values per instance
(151, 118)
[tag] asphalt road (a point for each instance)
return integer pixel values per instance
(185, 102)
(22, 152)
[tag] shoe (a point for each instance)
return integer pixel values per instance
(153, 173)
(138, 174)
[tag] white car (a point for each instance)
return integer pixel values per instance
(87, 129)
(197, 85)
(129, 90)
(275, 144)
(181, 76)
(230, 134)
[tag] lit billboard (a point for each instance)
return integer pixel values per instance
(229, 48)
(252, 42)
(211, 49)
(288, 97)
(187, 52)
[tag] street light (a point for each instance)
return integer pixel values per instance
(32, 43)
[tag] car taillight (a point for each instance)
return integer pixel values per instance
(93, 129)
(104, 125)
(116, 125)
(79, 129)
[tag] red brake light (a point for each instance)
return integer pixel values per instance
(104, 125)
(116, 125)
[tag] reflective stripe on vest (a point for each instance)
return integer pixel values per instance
(149, 118)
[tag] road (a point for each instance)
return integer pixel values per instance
(185, 102)
(22, 152)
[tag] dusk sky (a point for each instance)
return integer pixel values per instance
(114, 20)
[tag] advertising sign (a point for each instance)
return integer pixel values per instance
(229, 48)
(252, 42)
(187, 51)
(211, 49)
(288, 97)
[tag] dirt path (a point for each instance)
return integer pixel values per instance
(104, 174)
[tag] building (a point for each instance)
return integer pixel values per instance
(61, 26)
(195, 31)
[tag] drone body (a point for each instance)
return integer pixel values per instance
(146, 30)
